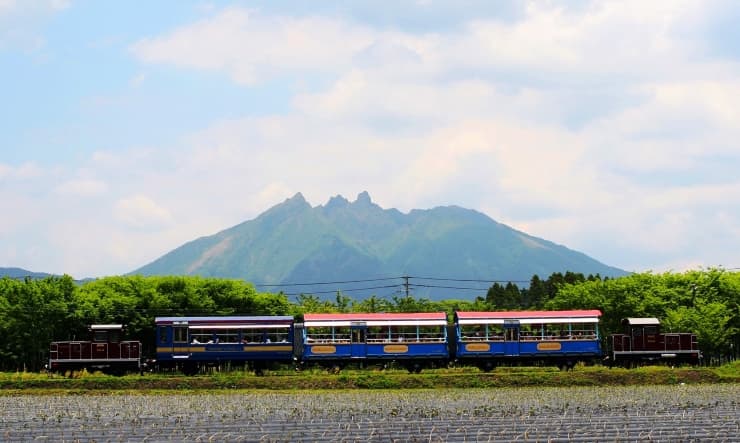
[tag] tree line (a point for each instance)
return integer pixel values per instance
(35, 312)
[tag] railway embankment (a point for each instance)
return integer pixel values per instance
(459, 378)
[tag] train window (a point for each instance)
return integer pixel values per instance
(200, 336)
(318, 334)
(358, 336)
(341, 334)
(180, 334)
(404, 333)
(637, 332)
(651, 330)
(162, 334)
(530, 332)
(328, 334)
(252, 335)
(431, 333)
(378, 334)
(279, 335)
(472, 332)
(100, 336)
(512, 334)
(227, 336)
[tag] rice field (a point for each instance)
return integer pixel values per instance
(638, 413)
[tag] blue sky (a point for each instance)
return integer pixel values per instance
(130, 128)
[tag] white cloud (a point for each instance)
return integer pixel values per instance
(141, 212)
(251, 48)
(604, 128)
(25, 171)
(6, 6)
(82, 187)
(22, 22)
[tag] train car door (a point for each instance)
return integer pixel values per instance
(638, 341)
(511, 337)
(358, 339)
(180, 342)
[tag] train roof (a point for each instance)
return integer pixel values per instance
(227, 321)
(377, 319)
(529, 317)
(641, 321)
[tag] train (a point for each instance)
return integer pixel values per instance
(106, 351)
(414, 341)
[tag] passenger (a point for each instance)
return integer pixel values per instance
(195, 341)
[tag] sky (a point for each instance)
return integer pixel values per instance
(130, 128)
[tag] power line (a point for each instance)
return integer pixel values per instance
(343, 290)
(325, 282)
(470, 280)
(449, 287)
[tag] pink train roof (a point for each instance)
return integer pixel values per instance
(364, 316)
(531, 314)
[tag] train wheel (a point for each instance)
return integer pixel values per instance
(190, 369)
(487, 366)
(414, 368)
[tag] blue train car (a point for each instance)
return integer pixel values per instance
(562, 338)
(192, 343)
(413, 340)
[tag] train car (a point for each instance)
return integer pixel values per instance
(642, 341)
(562, 338)
(104, 351)
(412, 340)
(191, 344)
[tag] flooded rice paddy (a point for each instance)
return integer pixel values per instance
(657, 413)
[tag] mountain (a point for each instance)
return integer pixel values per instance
(18, 273)
(372, 247)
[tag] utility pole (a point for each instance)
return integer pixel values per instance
(406, 284)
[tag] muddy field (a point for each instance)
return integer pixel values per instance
(659, 413)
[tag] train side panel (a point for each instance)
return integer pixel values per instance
(192, 343)
(413, 340)
(562, 338)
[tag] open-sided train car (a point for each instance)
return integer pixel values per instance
(642, 341)
(412, 340)
(562, 338)
(104, 351)
(193, 343)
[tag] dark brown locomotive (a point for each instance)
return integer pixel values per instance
(643, 342)
(105, 351)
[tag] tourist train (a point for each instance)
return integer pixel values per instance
(411, 340)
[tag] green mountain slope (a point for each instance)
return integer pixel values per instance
(348, 241)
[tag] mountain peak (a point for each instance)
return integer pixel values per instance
(337, 200)
(364, 198)
(297, 198)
